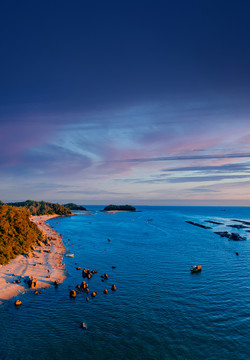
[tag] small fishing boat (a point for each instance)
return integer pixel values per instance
(196, 268)
(69, 255)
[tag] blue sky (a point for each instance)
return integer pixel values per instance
(142, 102)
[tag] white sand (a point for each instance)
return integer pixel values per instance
(41, 265)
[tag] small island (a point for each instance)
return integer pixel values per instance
(119, 208)
(73, 206)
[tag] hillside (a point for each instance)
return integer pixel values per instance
(17, 232)
(42, 207)
(73, 206)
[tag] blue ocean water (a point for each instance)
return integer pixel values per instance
(159, 310)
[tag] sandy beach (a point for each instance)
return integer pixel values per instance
(43, 262)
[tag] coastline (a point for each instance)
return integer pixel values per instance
(43, 262)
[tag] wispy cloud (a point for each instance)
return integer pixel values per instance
(190, 157)
(234, 167)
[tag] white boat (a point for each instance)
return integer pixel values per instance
(69, 255)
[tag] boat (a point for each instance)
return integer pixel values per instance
(196, 268)
(69, 255)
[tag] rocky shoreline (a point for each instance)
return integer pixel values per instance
(231, 236)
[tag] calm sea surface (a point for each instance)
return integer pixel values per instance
(159, 310)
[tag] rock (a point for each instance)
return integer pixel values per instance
(83, 326)
(87, 299)
(85, 272)
(72, 293)
(199, 225)
(56, 283)
(113, 267)
(87, 290)
(238, 226)
(213, 222)
(237, 237)
(89, 276)
(32, 282)
(113, 287)
(84, 285)
(36, 292)
(78, 268)
(78, 287)
(105, 276)
(237, 253)
(18, 302)
(105, 291)
(223, 234)
(109, 239)
(93, 294)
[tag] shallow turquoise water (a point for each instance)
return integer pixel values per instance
(160, 310)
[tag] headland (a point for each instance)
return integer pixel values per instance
(42, 264)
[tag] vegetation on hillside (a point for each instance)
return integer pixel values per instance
(119, 208)
(73, 206)
(17, 232)
(42, 207)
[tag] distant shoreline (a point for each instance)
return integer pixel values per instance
(43, 262)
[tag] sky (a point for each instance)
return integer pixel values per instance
(139, 102)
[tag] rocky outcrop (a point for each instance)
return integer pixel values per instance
(86, 273)
(199, 225)
(233, 236)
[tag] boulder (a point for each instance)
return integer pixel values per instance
(105, 276)
(32, 282)
(18, 302)
(85, 272)
(72, 293)
(93, 294)
(113, 287)
(105, 291)
(84, 285)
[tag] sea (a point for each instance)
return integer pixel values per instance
(160, 310)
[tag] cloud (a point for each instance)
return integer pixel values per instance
(190, 157)
(49, 160)
(235, 167)
(185, 179)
